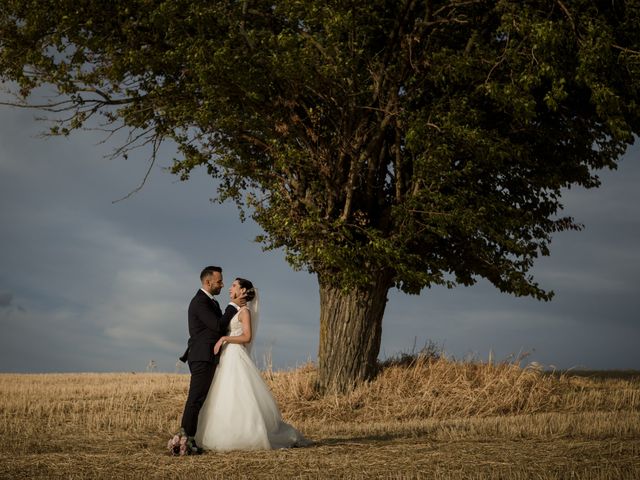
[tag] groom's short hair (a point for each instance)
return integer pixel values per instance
(208, 271)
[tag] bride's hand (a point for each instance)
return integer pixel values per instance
(218, 346)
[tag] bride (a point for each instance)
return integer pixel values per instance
(240, 413)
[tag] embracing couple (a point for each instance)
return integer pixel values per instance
(229, 406)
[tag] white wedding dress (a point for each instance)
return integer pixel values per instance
(240, 413)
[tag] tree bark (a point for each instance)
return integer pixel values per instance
(350, 333)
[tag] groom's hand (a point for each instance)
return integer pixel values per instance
(241, 301)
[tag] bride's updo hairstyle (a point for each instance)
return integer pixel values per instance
(244, 283)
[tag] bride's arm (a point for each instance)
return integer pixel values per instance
(245, 319)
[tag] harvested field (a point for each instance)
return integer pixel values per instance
(427, 418)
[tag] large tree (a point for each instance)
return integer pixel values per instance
(386, 143)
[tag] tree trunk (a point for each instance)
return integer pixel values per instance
(350, 333)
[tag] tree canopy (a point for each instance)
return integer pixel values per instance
(424, 138)
(426, 142)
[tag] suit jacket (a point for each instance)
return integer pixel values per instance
(207, 324)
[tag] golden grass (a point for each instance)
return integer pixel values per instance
(432, 418)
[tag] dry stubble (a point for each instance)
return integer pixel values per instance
(431, 418)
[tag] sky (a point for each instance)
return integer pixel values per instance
(89, 285)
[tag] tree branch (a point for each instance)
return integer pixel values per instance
(157, 140)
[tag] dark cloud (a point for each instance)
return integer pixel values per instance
(5, 299)
(107, 285)
(8, 305)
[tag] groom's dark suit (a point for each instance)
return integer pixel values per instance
(206, 325)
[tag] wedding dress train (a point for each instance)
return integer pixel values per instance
(240, 413)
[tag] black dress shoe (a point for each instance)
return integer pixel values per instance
(193, 448)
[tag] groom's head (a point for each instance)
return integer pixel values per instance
(211, 279)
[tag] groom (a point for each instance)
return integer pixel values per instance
(207, 324)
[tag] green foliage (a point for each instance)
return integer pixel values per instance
(424, 140)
